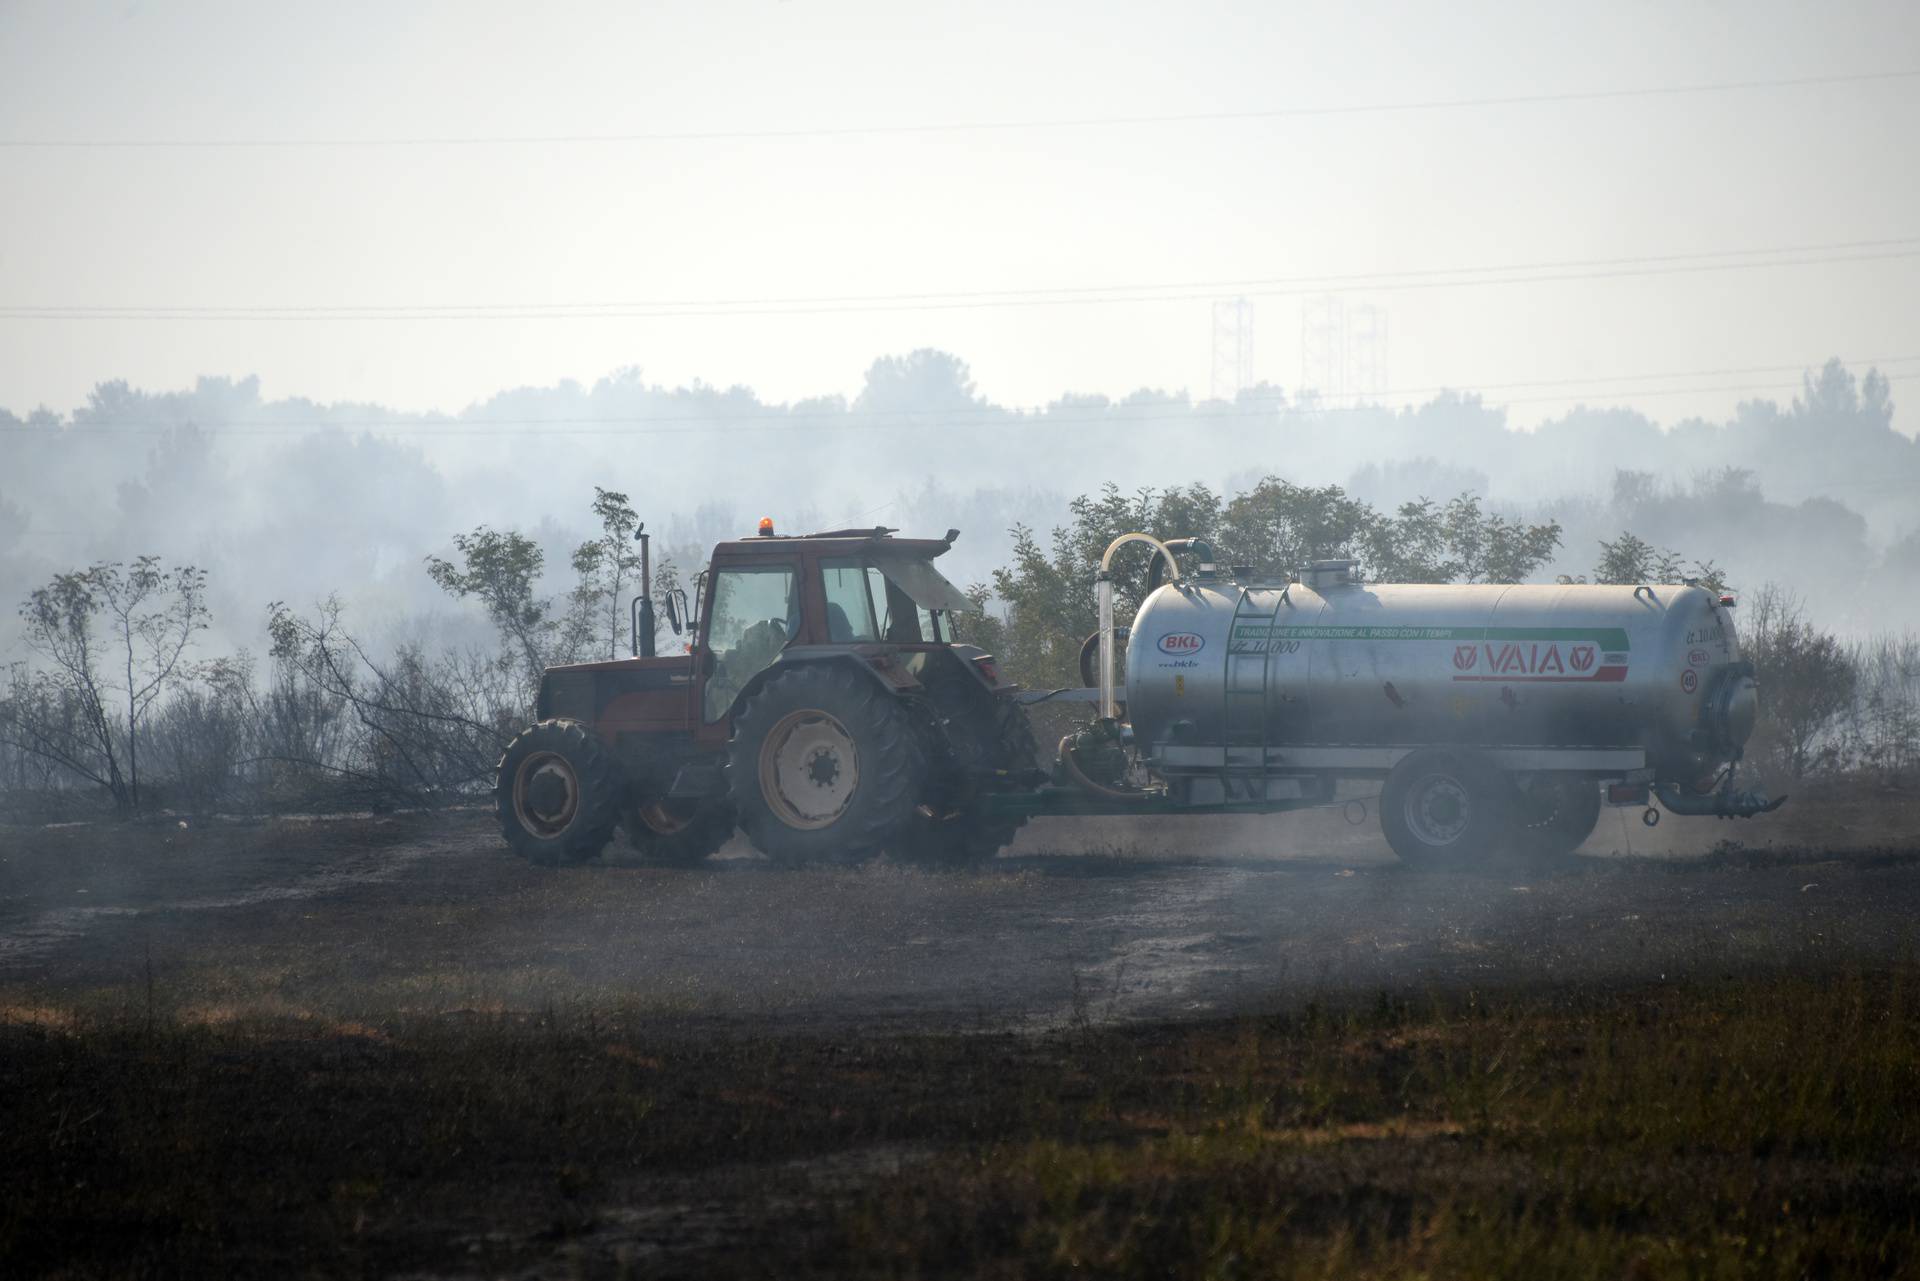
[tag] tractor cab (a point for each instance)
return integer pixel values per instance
(770, 599)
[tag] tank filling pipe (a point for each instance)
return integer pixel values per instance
(1103, 600)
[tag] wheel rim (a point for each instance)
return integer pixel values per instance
(809, 770)
(546, 794)
(1438, 809)
(1543, 806)
(662, 818)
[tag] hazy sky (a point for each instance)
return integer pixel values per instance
(518, 226)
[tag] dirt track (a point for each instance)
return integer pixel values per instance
(1081, 920)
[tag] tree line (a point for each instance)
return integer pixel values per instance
(114, 708)
(313, 498)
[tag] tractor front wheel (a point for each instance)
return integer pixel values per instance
(556, 794)
(824, 765)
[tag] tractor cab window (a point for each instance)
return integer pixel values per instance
(901, 621)
(919, 600)
(755, 612)
(850, 609)
(866, 602)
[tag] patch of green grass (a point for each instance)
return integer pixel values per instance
(1758, 1126)
(1743, 1128)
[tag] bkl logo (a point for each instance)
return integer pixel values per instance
(1182, 643)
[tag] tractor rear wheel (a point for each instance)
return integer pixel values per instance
(677, 833)
(824, 765)
(556, 793)
(1446, 811)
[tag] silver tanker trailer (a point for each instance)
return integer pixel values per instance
(1496, 718)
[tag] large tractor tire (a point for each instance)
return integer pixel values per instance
(557, 794)
(976, 731)
(1554, 817)
(1446, 811)
(824, 765)
(676, 833)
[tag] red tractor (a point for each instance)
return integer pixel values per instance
(822, 706)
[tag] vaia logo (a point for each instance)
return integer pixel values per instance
(1182, 643)
(1524, 659)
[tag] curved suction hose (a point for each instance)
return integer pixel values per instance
(1079, 776)
(1199, 546)
(1103, 596)
(1173, 566)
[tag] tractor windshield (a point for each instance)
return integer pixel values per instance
(756, 611)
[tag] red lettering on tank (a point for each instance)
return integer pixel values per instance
(1536, 661)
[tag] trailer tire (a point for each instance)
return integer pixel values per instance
(1446, 811)
(556, 793)
(677, 833)
(824, 765)
(1553, 818)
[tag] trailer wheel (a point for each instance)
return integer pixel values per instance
(1445, 811)
(556, 794)
(677, 833)
(824, 766)
(1554, 817)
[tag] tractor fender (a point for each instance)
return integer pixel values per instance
(980, 663)
(877, 663)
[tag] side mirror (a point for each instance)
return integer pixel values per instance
(672, 602)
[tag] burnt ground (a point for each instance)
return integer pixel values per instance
(1099, 919)
(292, 944)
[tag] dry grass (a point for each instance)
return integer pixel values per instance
(1748, 1126)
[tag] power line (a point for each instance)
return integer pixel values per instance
(989, 126)
(828, 300)
(1384, 282)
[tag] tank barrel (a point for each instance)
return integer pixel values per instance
(1229, 680)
